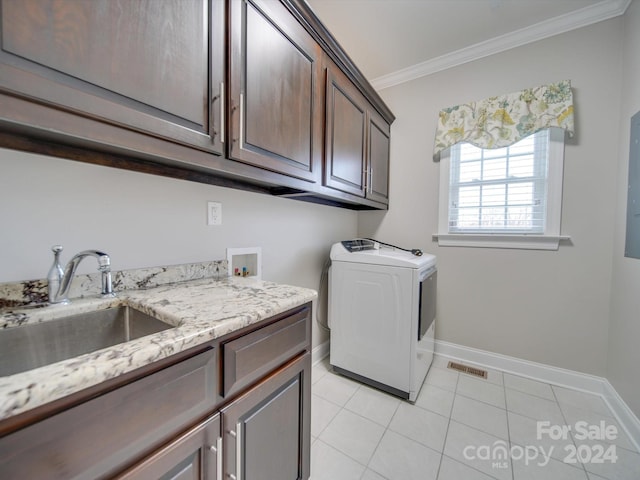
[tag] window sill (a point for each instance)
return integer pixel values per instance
(524, 242)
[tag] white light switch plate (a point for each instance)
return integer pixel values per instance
(214, 213)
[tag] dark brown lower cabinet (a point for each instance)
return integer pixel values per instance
(176, 421)
(265, 436)
(196, 455)
(265, 431)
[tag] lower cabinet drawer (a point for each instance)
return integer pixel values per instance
(250, 357)
(99, 437)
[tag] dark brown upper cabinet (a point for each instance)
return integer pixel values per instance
(378, 144)
(357, 141)
(275, 91)
(226, 92)
(346, 122)
(150, 67)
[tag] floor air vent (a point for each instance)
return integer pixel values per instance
(466, 369)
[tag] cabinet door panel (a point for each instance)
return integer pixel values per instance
(274, 90)
(142, 64)
(345, 135)
(279, 81)
(379, 143)
(273, 420)
(192, 456)
(266, 431)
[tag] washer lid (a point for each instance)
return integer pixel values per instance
(383, 256)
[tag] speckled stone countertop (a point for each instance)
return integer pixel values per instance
(201, 310)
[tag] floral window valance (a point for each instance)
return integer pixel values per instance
(502, 121)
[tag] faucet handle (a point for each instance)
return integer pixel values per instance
(104, 262)
(56, 248)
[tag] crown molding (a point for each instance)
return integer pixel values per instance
(583, 17)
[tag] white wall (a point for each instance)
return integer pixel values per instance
(144, 220)
(624, 331)
(549, 307)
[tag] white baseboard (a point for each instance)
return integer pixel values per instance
(549, 374)
(622, 412)
(319, 352)
(524, 368)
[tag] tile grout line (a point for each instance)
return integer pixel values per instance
(531, 380)
(446, 435)
(504, 392)
(370, 420)
(386, 429)
(528, 416)
(333, 403)
(318, 439)
(584, 469)
(481, 401)
(455, 393)
(328, 423)
(366, 466)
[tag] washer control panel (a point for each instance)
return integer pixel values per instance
(358, 245)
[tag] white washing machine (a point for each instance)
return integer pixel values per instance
(382, 304)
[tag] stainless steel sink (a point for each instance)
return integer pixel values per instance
(35, 345)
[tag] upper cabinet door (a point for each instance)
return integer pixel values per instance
(378, 158)
(276, 97)
(357, 141)
(346, 122)
(153, 67)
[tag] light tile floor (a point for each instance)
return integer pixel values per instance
(360, 433)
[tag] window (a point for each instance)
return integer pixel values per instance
(508, 197)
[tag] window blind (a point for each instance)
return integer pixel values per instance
(499, 190)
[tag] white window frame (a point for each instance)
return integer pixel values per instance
(551, 237)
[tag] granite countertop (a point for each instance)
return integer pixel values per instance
(201, 310)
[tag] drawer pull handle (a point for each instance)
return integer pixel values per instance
(222, 106)
(220, 98)
(217, 449)
(238, 451)
(237, 435)
(219, 458)
(241, 136)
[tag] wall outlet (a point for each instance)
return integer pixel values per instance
(214, 213)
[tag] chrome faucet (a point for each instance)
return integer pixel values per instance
(59, 294)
